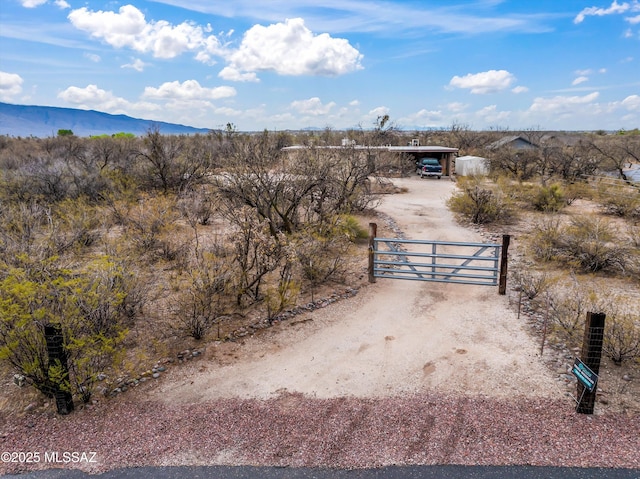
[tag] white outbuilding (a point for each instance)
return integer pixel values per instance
(471, 166)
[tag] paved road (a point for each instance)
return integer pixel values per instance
(396, 472)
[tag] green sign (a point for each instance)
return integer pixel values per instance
(585, 375)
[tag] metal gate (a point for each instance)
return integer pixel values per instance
(438, 261)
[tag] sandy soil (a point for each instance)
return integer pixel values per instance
(395, 337)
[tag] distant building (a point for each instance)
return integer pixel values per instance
(515, 141)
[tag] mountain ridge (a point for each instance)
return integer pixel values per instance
(45, 121)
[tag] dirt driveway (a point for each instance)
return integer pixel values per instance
(394, 337)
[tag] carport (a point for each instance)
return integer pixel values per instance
(443, 154)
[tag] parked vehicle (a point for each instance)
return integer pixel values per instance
(429, 167)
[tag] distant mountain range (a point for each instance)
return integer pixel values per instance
(45, 121)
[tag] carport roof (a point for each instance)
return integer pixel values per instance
(395, 149)
(421, 149)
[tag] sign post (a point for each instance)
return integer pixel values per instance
(587, 370)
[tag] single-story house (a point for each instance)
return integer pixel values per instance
(514, 141)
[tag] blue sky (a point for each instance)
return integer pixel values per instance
(284, 64)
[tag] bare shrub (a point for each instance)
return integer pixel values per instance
(568, 307)
(533, 283)
(322, 251)
(147, 222)
(256, 253)
(622, 328)
(576, 191)
(545, 236)
(202, 295)
(588, 243)
(634, 234)
(73, 224)
(283, 293)
(620, 201)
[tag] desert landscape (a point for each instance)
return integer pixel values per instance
(403, 372)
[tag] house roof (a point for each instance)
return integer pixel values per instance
(504, 141)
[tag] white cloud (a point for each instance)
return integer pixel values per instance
(290, 48)
(287, 48)
(579, 80)
(561, 104)
(32, 3)
(379, 111)
(188, 90)
(93, 97)
(423, 117)
(10, 85)
(36, 3)
(312, 106)
(186, 103)
(490, 114)
(232, 74)
(491, 81)
(129, 28)
(457, 107)
(615, 8)
(632, 103)
(373, 115)
(93, 57)
(520, 89)
(633, 20)
(136, 64)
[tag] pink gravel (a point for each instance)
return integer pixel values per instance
(296, 430)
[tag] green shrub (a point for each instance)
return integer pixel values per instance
(349, 225)
(480, 204)
(550, 198)
(89, 307)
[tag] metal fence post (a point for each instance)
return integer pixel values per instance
(591, 355)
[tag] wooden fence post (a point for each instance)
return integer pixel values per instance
(591, 355)
(373, 231)
(502, 287)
